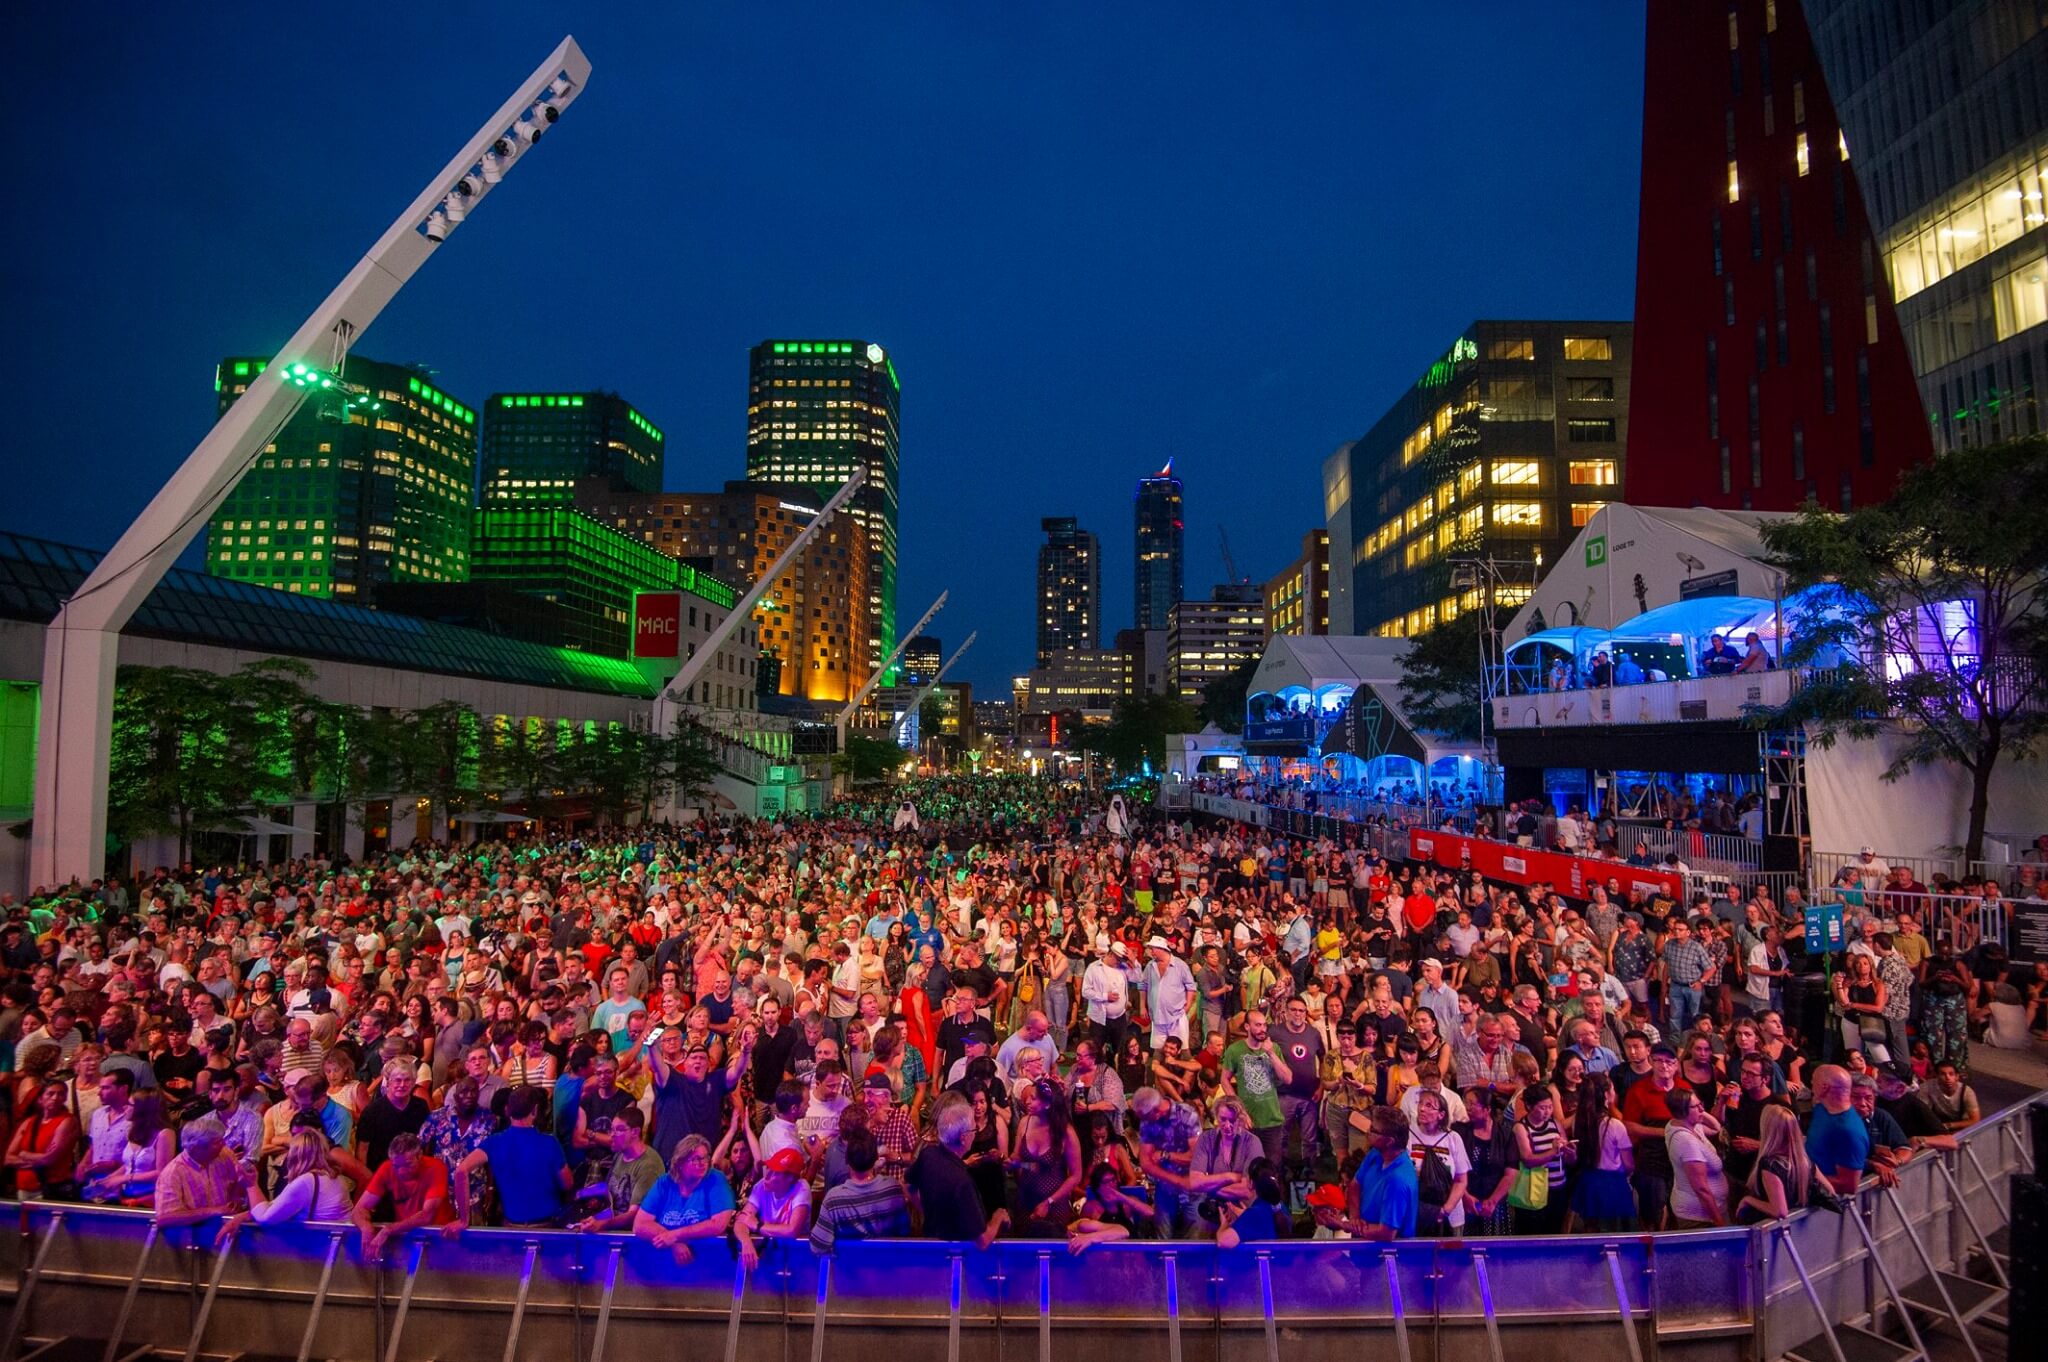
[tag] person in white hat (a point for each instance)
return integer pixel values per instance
(1169, 992)
(1107, 995)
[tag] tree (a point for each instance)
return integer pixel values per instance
(439, 749)
(190, 747)
(685, 768)
(1223, 698)
(1137, 730)
(865, 759)
(1442, 687)
(1926, 618)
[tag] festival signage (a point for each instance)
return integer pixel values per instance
(1572, 875)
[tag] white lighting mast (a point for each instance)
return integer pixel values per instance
(81, 647)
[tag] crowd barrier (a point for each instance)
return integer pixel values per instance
(90, 1281)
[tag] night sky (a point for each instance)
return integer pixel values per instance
(1092, 237)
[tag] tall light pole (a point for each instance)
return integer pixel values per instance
(933, 684)
(670, 701)
(867, 688)
(81, 648)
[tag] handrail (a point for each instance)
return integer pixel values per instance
(1711, 1285)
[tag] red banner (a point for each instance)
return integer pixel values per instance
(1570, 875)
(657, 623)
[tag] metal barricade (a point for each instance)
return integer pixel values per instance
(1819, 1286)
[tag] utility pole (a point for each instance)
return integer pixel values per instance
(81, 646)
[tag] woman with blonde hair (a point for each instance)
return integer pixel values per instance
(1779, 1181)
(310, 1190)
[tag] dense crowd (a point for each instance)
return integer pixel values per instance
(961, 1009)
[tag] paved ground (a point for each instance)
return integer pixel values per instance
(2004, 1077)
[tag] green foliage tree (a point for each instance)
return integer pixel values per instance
(191, 747)
(1893, 651)
(1137, 730)
(1441, 684)
(866, 759)
(519, 760)
(684, 768)
(1223, 699)
(438, 751)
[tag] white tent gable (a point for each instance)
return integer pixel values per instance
(1325, 661)
(1629, 559)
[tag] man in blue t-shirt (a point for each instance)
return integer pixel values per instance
(1836, 1139)
(1385, 1194)
(527, 1168)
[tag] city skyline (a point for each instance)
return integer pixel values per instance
(1072, 292)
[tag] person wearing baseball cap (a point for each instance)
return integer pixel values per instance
(1106, 994)
(779, 1207)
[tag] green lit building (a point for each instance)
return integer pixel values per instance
(370, 481)
(816, 410)
(588, 568)
(536, 446)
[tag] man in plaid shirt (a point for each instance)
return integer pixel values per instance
(1685, 962)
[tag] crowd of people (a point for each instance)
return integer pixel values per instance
(989, 1016)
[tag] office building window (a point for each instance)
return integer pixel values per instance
(1585, 430)
(1511, 389)
(1511, 349)
(1588, 347)
(1801, 155)
(1717, 246)
(1592, 472)
(1516, 473)
(1812, 277)
(1582, 511)
(1734, 183)
(1798, 452)
(1727, 478)
(1595, 389)
(1798, 103)
(2020, 297)
(1518, 514)
(1728, 302)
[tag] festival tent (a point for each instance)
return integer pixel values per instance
(1629, 560)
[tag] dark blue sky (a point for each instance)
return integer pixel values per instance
(1091, 236)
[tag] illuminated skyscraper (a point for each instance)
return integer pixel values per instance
(369, 482)
(816, 410)
(1159, 560)
(536, 446)
(1069, 588)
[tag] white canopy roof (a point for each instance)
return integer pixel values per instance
(1632, 559)
(1326, 661)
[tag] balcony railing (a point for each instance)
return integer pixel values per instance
(1698, 700)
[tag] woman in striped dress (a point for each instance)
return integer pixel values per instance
(1541, 1143)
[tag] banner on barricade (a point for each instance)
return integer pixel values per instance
(1572, 875)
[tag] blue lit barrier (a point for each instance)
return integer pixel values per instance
(1738, 1294)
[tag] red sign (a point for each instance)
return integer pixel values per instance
(657, 624)
(1571, 875)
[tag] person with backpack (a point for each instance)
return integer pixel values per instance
(1443, 1169)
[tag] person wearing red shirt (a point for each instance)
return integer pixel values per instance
(415, 1184)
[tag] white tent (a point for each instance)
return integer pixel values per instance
(1632, 559)
(1312, 664)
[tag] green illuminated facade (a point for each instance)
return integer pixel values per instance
(816, 410)
(589, 568)
(370, 481)
(536, 446)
